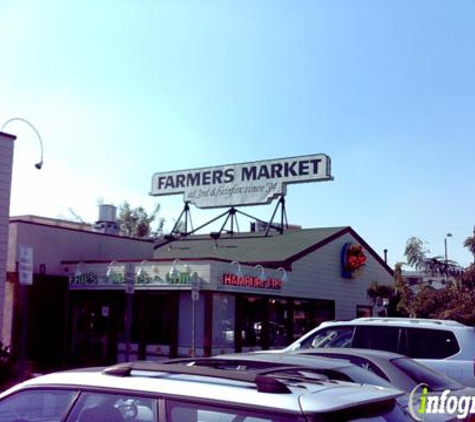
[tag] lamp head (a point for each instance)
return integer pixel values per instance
(39, 165)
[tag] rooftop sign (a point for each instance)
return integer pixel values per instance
(251, 183)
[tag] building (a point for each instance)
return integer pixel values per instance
(6, 160)
(193, 295)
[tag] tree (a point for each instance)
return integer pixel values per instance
(415, 253)
(453, 301)
(136, 222)
(469, 243)
(417, 257)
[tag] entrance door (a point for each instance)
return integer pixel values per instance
(94, 329)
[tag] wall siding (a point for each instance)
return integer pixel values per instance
(317, 276)
(6, 159)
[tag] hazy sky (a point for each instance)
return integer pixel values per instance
(121, 89)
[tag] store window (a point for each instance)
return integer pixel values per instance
(363, 311)
(223, 322)
(308, 314)
(253, 322)
(278, 322)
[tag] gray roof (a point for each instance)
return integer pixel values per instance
(275, 249)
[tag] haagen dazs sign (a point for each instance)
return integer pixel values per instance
(241, 184)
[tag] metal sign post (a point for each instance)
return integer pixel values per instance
(195, 296)
(25, 269)
(129, 291)
(25, 277)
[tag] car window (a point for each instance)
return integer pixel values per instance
(426, 343)
(178, 411)
(36, 405)
(436, 381)
(339, 336)
(377, 337)
(101, 407)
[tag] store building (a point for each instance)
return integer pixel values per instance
(99, 298)
(200, 295)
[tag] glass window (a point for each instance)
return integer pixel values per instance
(193, 412)
(278, 314)
(339, 336)
(254, 321)
(376, 337)
(426, 343)
(101, 407)
(223, 320)
(36, 405)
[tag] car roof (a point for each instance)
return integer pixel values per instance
(402, 322)
(235, 387)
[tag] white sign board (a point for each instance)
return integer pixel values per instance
(251, 183)
(26, 265)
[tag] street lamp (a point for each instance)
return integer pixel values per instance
(445, 245)
(39, 164)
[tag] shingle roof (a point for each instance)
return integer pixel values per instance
(250, 248)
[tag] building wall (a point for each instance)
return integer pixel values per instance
(318, 276)
(6, 160)
(52, 245)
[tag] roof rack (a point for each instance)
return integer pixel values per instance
(412, 320)
(264, 383)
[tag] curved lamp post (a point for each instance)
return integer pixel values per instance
(39, 164)
(238, 268)
(262, 275)
(284, 276)
(174, 270)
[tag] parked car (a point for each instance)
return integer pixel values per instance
(399, 370)
(156, 392)
(301, 365)
(321, 368)
(444, 345)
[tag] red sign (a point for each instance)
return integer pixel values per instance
(251, 282)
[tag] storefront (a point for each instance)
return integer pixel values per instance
(206, 296)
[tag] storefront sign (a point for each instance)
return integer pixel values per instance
(353, 259)
(241, 184)
(95, 277)
(251, 282)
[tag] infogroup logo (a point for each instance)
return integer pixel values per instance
(422, 404)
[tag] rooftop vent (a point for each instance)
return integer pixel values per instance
(107, 222)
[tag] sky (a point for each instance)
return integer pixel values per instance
(121, 89)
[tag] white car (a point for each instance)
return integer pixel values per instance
(444, 345)
(157, 392)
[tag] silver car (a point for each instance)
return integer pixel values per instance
(153, 392)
